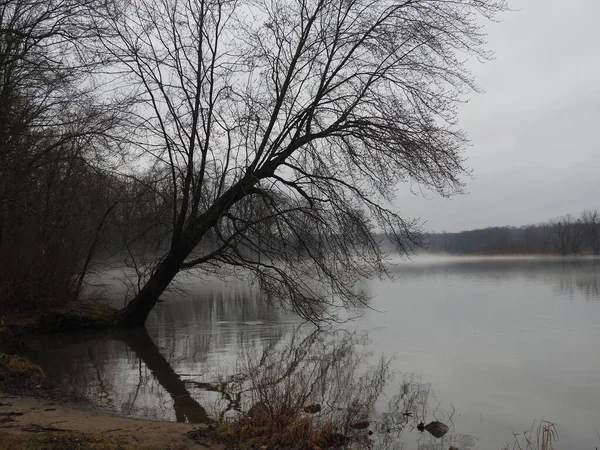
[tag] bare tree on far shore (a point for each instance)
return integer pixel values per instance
(568, 234)
(590, 220)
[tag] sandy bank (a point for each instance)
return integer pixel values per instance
(25, 416)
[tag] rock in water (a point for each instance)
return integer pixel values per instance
(437, 429)
(360, 425)
(312, 409)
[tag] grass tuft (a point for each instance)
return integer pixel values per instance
(280, 383)
(540, 437)
(13, 368)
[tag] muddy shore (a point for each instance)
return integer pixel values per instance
(26, 422)
(34, 414)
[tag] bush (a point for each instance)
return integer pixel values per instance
(17, 368)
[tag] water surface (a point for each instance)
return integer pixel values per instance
(487, 345)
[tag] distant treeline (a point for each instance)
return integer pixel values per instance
(564, 235)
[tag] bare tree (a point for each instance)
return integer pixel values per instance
(562, 230)
(293, 120)
(568, 234)
(577, 235)
(591, 225)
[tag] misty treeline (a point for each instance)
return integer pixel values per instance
(565, 235)
(258, 138)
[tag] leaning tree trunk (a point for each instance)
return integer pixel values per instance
(137, 310)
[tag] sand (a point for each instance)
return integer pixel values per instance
(20, 414)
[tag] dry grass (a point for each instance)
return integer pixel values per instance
(291, 431)
(540, 437)
(280, 381)
(17, 368)
(78, 315)
(73, 315)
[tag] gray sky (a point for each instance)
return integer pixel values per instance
(535, 131)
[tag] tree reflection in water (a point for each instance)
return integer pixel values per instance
(586, 286)
(572, 276)
(329, 369)
(187, 409)
(332, 369)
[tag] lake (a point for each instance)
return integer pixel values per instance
(487, 345)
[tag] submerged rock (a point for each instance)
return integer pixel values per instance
(312, 409)
(360, 424)
(437, 429)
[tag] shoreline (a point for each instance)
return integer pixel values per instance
(35, 414)
(34, 420)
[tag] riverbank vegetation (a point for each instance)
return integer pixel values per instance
(15, 368)
(316, 390)
(542, 435)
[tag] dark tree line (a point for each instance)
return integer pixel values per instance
(55, 134)
(565, 235)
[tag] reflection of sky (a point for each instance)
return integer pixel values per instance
(201, 338)
(567, 274)
(502, 341)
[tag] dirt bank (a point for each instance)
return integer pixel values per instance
(27, 422)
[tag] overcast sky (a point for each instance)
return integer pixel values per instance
(535, 131)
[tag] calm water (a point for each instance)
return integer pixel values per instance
(485, 345)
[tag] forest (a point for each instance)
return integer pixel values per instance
(565, 235)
